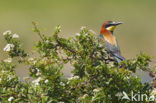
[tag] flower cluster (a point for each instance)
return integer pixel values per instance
(8, 32)
(37, 81)
(8, 47)
(13, 46)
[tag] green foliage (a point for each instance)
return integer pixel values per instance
(97, 78)
(13, 47)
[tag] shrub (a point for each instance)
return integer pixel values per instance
(97, 77)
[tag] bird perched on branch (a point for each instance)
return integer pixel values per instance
(107, 36)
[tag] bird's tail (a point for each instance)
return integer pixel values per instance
(118, 58)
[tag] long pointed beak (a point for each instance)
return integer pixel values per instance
(117, 23)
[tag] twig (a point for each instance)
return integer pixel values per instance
(37, 30)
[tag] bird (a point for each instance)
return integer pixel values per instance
(107, 35)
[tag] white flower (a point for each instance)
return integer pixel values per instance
(47, 41)
(73, 77)
(32, 69)
(38, 72)
(77, 34)
(70, 78)
(109, 96)
(60, 102)
(8, 47)
(3, 71)
(83, 27)
(46, 81)
(119, 94)
(86, 34)
(7, 32)
(96, 90)
(76, 77)
(9, 60)
(107, 83)
(35, 62)
(10, 99)
(36, 82)
(84, 96)
(15, 36)
(133, 61)
(62, 84)
(31, 59)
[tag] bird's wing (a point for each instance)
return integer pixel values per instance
(118, 47)
(110, 47)
(113, 49)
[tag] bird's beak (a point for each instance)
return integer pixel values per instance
(113, 25)
(116, 23)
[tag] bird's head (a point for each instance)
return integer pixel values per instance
(110, 26)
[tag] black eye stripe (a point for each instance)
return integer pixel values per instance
(108, 25)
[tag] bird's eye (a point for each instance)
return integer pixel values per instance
(108, 25)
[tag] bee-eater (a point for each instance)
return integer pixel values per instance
(107, 36)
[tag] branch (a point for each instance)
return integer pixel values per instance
(37, 30)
